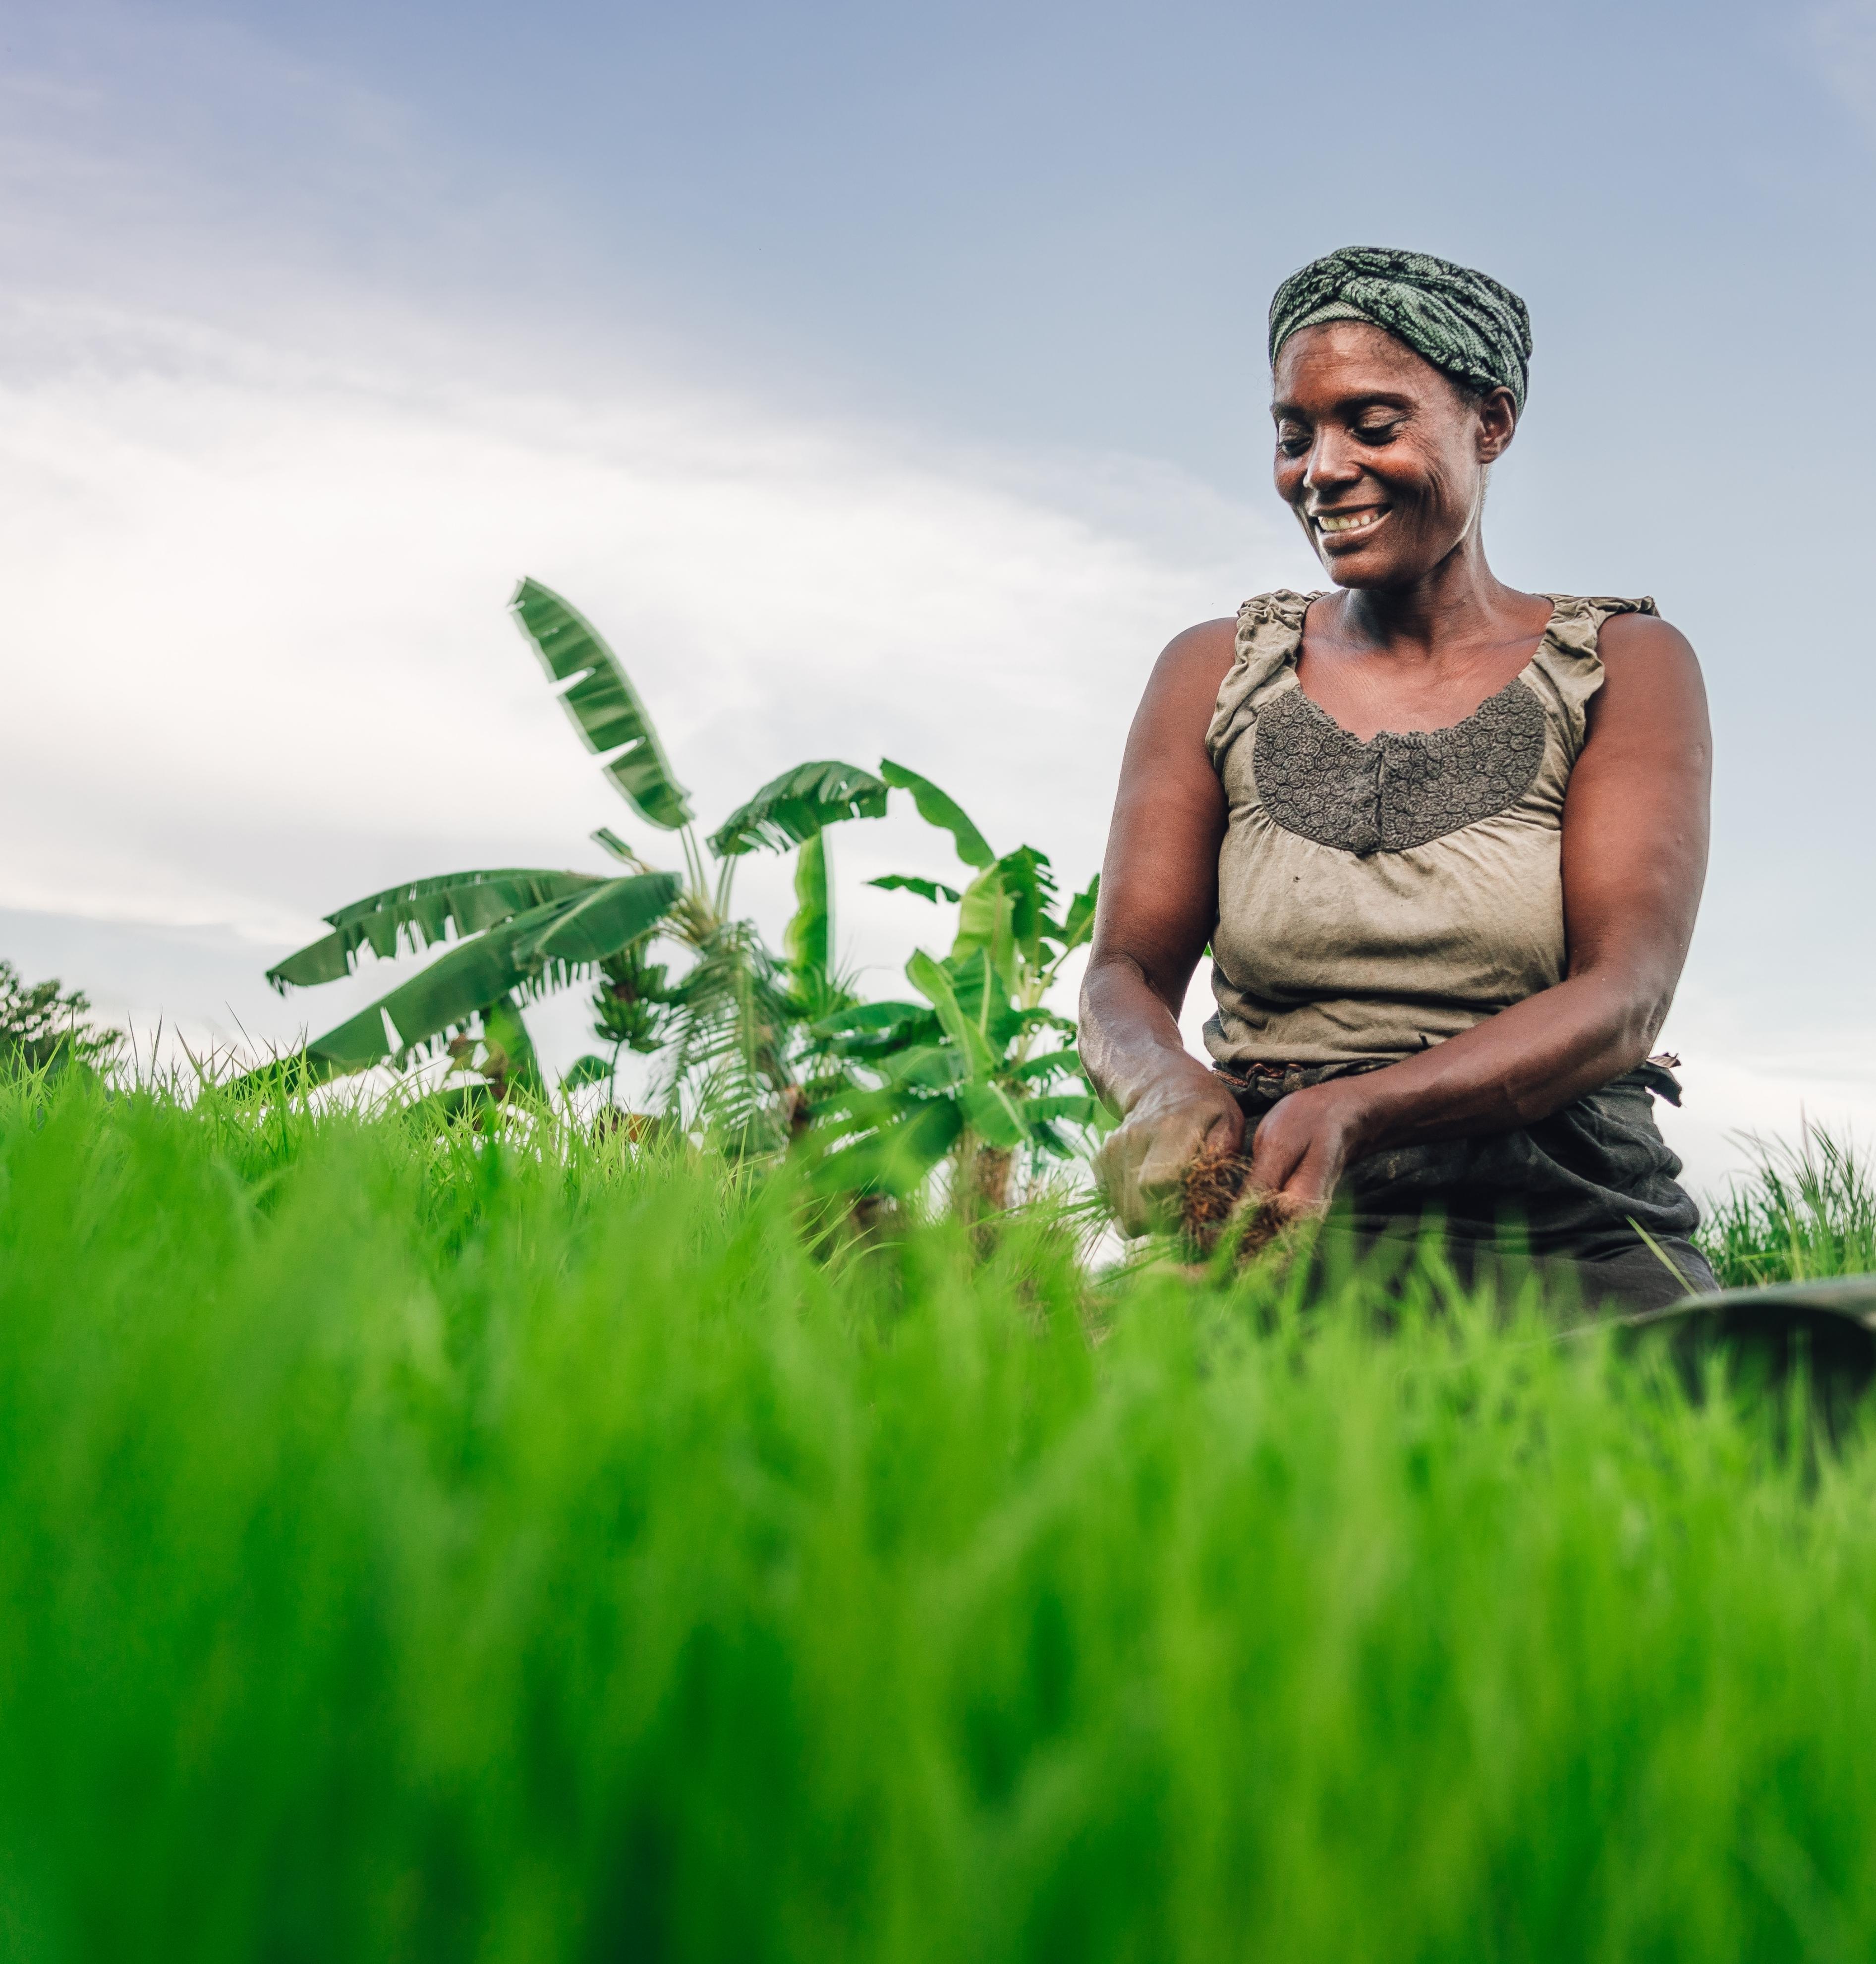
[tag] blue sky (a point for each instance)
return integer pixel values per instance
(879, 376)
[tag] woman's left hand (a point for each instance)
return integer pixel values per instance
(1304, 1144)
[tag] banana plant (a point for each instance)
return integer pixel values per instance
(514, 933)
(971, 1070)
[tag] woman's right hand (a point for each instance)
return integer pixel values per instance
(1142, 1165)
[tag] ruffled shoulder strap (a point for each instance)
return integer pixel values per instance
(1566, 670)
(1269, 631)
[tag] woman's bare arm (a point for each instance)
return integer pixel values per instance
(1635, 826)
(1158, 905)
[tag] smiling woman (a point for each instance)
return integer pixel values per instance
(1446, 840)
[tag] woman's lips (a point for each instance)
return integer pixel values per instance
(1345, 528)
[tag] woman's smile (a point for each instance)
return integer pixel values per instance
(1344, 527)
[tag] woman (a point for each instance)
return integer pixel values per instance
(1445, 840)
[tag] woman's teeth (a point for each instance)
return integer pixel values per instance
(1354, 521)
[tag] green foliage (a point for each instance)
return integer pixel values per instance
(512, 1543)
(793, 809)
(940, 808)
(424, 914)
(934, 890)
(602, 705)
(750, 1047)
(523, 956)
(46, 1027)
(730, 1027)
(1806, 1211)
(970, 1076)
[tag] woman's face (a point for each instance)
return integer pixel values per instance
(1381, 456)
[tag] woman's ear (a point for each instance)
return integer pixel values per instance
(1498, 422)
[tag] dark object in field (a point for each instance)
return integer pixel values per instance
(1827, 1328)
(1214, 1200)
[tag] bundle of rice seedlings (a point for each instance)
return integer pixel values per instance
(1216, 1206)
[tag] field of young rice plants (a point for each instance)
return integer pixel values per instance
(426, 1548)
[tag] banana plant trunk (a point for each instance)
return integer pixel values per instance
(983, 1177)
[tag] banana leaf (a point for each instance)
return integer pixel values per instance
(588, 1070)
(869, 1018)
(934, 890)
(966, 1032)
(1050, 1065)
(985, 995)
(599, 923)
(939, 808)
(421, 913)
(870, 1033)
(510, 1052)
(986, 924)
(604, 706)
(520, 956)
(609, 841)
(1075, 1110)
(1078, 924)
(1031, 886)
(994, 1115)
(791, 808)
(456, 987)
(808, 938)
(897, 1157)
(925, 1067)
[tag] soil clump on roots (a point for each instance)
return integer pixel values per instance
(1215, 1204)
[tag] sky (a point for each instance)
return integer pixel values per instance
(881, 379)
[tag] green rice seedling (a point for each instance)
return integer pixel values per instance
(419, 1541)
(1805, 1212)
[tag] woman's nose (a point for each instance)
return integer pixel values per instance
(1331, 461)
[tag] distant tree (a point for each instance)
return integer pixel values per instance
(45, 1026)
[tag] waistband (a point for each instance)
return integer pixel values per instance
(1277, 1080)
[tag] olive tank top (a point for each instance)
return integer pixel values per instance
(1375, 898)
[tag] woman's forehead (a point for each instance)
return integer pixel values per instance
(1339, 360)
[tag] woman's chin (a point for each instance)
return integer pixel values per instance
(1364, 569)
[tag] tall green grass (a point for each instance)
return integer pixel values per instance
(518, 1550)
(1806, 1211)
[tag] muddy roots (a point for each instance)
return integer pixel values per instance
(1216, 1206)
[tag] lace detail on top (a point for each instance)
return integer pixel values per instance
(1398, 789)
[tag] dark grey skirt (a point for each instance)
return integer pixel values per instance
(1566, 1194)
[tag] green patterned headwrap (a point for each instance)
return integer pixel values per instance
(1463, 322)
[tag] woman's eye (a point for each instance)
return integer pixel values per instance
(1292, 441)
(1378, 432)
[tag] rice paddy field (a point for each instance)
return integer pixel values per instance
(425, 1547)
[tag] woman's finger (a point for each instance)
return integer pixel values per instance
(1275, 1152)
(1123, 1158)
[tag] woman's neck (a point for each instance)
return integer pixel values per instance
(1460, 602)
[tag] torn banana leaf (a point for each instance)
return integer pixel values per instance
(604, 707)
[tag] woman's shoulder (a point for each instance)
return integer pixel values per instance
(1639, 654)
(1587, 631)
(1636, 671)
(1249, 658)
(1194, 662)
(1608, 619)
(1603, 629)
(1633, 634)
